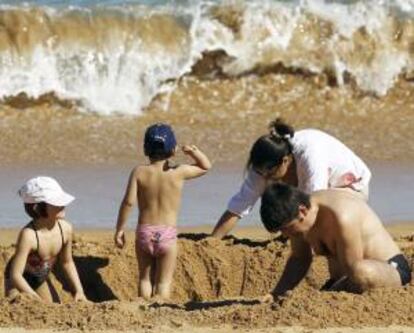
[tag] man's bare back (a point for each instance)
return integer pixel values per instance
(336, 222)
(340, 226)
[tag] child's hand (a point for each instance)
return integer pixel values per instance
(268, 298)
(80, 297)
(119, 239)
(189, 149)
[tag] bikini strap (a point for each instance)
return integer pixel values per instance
(61, 233)
(32, 225)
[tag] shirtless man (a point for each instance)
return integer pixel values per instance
(339, 225)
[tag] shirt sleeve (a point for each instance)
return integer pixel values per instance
(313, 173)
(242, 202)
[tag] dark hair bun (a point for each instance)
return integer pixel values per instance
(280, 129)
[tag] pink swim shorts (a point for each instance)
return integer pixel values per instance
(155, 239)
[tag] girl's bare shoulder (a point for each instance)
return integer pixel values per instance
(67, 228)
(27, 236)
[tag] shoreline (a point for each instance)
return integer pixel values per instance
(99, 191)
(9, 235)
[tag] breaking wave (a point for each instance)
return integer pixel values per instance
(117, 58)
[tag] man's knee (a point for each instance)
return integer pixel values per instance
(363, 274)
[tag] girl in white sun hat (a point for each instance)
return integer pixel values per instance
(44, 239)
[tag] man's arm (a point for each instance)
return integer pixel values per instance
(349, 247)
(296, 267)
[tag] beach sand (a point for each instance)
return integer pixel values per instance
(45, 128)
(216, 289)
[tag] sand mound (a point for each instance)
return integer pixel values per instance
(216, 282)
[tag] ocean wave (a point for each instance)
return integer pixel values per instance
(116, 59)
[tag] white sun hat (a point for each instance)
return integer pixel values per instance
(45, 189)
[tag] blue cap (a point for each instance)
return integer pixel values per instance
(159, 140)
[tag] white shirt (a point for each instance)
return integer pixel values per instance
(322, 162)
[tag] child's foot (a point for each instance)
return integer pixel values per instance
(142, 302)
(158, 299)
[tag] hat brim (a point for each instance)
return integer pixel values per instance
(62, 200)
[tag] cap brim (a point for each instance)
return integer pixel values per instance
(62, 200)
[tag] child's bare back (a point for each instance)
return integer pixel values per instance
(157, 189)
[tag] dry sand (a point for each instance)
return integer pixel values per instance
(294, 329)
(216, 289)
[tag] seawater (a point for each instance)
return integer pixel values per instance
(99, 192)
(117, 56)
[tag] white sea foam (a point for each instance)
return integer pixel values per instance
(118, 70)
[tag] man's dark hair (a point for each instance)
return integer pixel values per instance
(36, 210)
(280, 205)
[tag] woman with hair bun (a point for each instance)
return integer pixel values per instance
(309, 159)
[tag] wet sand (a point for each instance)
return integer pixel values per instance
(216, 288)
(221, 116)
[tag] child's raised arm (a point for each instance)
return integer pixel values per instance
(68, 265)
(200, 167)
(24, 246)
(129, 201)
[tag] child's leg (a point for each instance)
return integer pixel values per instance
(145, 262)
(165, 271)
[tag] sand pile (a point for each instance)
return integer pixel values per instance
(216, 283)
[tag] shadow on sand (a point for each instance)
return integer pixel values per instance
(234, 240)
(96, 290)
(195, 305)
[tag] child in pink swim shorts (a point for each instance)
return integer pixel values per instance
(157, 187)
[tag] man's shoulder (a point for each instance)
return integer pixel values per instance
(345, 206)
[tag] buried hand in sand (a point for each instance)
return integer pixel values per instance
(340, 226)
(47, 237)
(157, 187)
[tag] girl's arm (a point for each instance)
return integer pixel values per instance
(25, 243)
(69, 267)
(128, 202)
